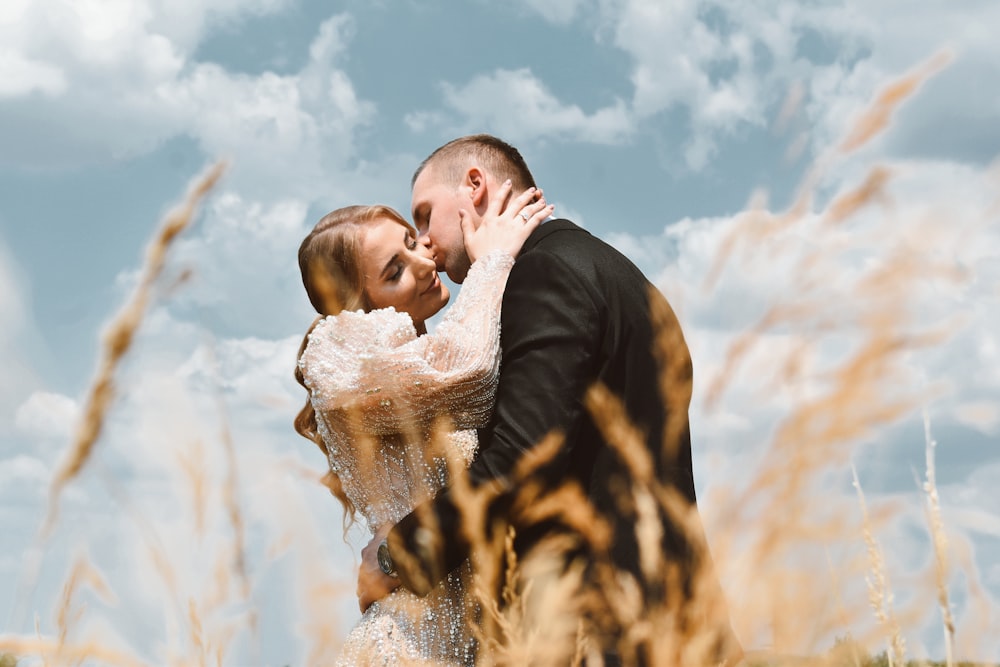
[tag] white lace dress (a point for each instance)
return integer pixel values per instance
(377, 389)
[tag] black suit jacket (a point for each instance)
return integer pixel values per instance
(575, 312)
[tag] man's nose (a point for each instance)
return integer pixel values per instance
(423, 238)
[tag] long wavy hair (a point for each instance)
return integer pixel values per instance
(330, 263)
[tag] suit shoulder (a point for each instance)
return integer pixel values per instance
(572, 243)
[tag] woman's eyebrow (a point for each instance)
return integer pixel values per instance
(392, 260)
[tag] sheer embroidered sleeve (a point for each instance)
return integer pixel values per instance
(372, 370)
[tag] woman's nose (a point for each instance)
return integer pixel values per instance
(424, 262)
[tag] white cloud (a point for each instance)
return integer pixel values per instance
(729, 66)
(45, 415)
(293, 130)
(517, 105)
(24, 470)
(22, 76)
(119, 79)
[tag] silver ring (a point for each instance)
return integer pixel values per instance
(524, 216)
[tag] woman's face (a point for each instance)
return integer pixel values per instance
(400, 272)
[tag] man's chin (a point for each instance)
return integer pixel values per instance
(457, 274)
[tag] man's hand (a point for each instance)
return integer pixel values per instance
(373, 583)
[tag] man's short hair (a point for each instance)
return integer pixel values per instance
(494, 155)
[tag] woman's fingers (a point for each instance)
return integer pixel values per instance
(539, 216)
(518, 203)
(527, 212)
(498, 202)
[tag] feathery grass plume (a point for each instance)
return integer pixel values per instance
(70, 653)
(940, 543)
(876, 118)
(197, 635)
(528, 610)
(849, 203)
(118, 340)
(870, 317)
(192, 464)
(684, 617)
(880, 592)
(757, 224)
(60, 650)
(676, 376)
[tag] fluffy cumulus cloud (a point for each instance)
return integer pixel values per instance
(46, 415)
(517, 105)
(21, 76)
(729, 67)
(108, 80)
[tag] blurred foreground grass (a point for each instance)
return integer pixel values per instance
(856, 277)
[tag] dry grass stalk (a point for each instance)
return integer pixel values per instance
(118, 340)
(877, 117)
(873, 189)
(683, 617)
(880, 593)
(67, 614)
(59, 650)
(197, 634)
(70, 654)
(940, 544)
(192, 464)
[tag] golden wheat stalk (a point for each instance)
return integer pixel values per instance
(118, 340)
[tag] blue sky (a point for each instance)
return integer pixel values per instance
(653, 124)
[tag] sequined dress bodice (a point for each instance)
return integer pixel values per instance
(378, 388)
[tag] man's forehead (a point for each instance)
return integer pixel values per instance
(425, 179)
(425, 188)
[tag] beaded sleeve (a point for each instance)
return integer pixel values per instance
(374, 366)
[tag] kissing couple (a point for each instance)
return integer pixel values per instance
(558, 367)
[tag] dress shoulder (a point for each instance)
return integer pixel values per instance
(339, 345)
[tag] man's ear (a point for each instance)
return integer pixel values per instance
(475, 180)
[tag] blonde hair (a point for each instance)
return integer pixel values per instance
(330, 263)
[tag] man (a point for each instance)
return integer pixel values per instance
(576, 314)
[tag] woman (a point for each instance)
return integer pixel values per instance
(378, 385)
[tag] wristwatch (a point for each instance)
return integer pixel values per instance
(385, 560)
